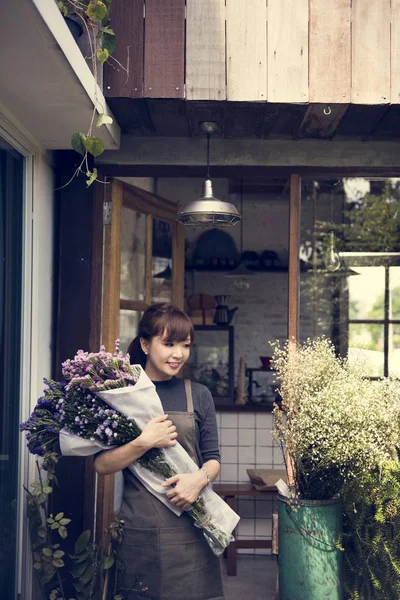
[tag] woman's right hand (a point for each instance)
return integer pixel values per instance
(159, 432)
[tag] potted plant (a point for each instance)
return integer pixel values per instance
(334, 426)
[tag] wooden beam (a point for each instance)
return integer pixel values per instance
(389, 126)
(206, 111)
(246, 42)
(169, 117)
(359, 122)
(164, 53)
(205, 50)
(282, 121)
(371, 52)
(127, 22)
(294, 261)
(164, 153)
(321, 120)
(287, 51)
(132, 115)
(330, 51)
(244, 119)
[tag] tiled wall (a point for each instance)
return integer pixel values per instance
(246, 442)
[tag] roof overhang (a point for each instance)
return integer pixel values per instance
(45, 82)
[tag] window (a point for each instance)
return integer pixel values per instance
(374, 314)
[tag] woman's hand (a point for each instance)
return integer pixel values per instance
(187, 488)
(159, 432)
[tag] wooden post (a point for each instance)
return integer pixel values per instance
(110, 330)
(294, 262)
(293, 278)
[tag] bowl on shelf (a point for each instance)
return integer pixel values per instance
(266, 361)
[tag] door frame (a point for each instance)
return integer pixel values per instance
(106, 252)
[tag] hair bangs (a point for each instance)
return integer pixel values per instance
(175, 327)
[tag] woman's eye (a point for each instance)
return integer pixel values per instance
(169, 344)
(187, 345)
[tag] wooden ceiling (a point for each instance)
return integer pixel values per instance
(252, 120)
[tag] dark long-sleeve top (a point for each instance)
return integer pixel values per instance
(173, 397)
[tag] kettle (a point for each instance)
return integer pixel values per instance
(223, 314)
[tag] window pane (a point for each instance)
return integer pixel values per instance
(394, 296)
(366, 345)
(128, 326)
(133, 251)
(367, 293)
(394, 351)
(209, 361)
(161, 285)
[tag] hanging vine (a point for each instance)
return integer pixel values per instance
(94, 18)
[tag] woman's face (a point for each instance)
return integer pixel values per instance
(164, 358)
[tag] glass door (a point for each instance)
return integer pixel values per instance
(11, 221)
(152, 257)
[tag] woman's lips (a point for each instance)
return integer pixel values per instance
(174, 365)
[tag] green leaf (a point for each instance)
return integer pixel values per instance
(97, 10)
(57, 562)
(47, 552)
(63, 532)
(58, 554)
(41, 532)
(65, 521)
(108, 43)
(59, 516)
(54, 525)
(78, 143)
(47, 489)
(79, 569)
(91, 177)
(63, 8)
(108, 562)
(102, 55)
(50, 520)
(87, 576)
(82, 542)
(82, 557)
(37, 566)
(103, 119)
(94, 145)
(107, 30)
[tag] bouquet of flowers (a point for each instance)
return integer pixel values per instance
(104, 402)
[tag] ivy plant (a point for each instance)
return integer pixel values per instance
(94, 16)
(91, 571)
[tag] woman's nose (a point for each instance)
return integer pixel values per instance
(177, 352)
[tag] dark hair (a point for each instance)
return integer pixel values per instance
(160, 319)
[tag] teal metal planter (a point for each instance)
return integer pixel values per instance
(310, 566)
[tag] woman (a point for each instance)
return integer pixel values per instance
(165, 552)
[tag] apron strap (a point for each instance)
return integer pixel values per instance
(189, 397)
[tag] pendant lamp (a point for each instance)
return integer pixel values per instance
(208, 211)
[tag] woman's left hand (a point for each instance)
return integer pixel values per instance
(187, 488)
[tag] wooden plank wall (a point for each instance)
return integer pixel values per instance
(280, 51)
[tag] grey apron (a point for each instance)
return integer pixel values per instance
(168, 554)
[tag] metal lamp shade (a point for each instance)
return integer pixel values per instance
(208, 211)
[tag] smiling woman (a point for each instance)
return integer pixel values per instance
(163, 550)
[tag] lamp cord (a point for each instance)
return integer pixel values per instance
(208, 156)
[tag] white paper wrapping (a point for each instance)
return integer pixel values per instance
(142, 403)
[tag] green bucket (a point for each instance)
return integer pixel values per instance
(309, 564)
